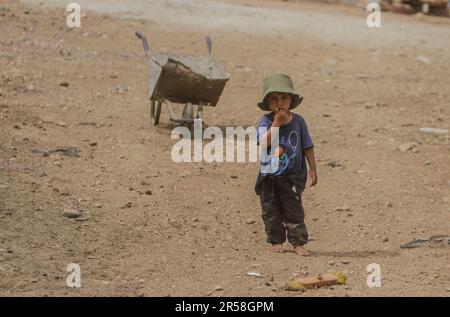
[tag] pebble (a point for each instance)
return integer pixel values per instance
(343, 208)
(64, 84)
(407, 146)
(250, 221)
(121, 90)
(128, 205)
(255, 274)
(423, 59)
(72, 213)
(433, 130)
(333, 163)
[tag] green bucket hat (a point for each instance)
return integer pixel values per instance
(279, 83)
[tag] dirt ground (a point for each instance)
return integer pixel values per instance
(153, 227)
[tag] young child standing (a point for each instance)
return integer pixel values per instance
(280, 189)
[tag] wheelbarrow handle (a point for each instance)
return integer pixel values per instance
(208, 45)
(144, 41)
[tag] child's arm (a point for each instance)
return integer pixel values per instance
(310, 157)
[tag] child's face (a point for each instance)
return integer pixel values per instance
(279, 100)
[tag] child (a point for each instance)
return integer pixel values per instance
(280, 189)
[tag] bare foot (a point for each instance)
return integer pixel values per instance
(300, 250)
(277, 248)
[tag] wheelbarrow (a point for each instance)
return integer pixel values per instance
(435, 7)
(195, 81)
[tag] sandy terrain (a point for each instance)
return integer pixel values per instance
(149, 226)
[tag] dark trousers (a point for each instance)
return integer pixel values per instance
(282, 211)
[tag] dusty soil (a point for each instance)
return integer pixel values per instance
(149, 226)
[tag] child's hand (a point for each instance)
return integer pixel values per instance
(313, 176)
(278, 151)
(282, 117)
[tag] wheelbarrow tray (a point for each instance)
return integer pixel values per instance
(186, 79)
(436, 3)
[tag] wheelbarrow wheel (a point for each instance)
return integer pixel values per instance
(152, 109)
(155, 111)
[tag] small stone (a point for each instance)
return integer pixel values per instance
(218, 288)
(123, 54)
(128, 205)
(250, 221)
(64, 84)
(98, 205)
(433, 130)
(343, 208)
(331, 263)
(332, 62)
(334, 163)
(39, 173)
(345, 262)
(389, 205)
(184, 174)
(233, 176)
(121, 90)
(255, 274)
(428, 163)
(423, 59)
(148, 192)
(385, 240)
(93, 143)
(114, 75)
(72, 213)
(407, 146)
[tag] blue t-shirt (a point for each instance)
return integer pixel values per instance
(294, 137)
